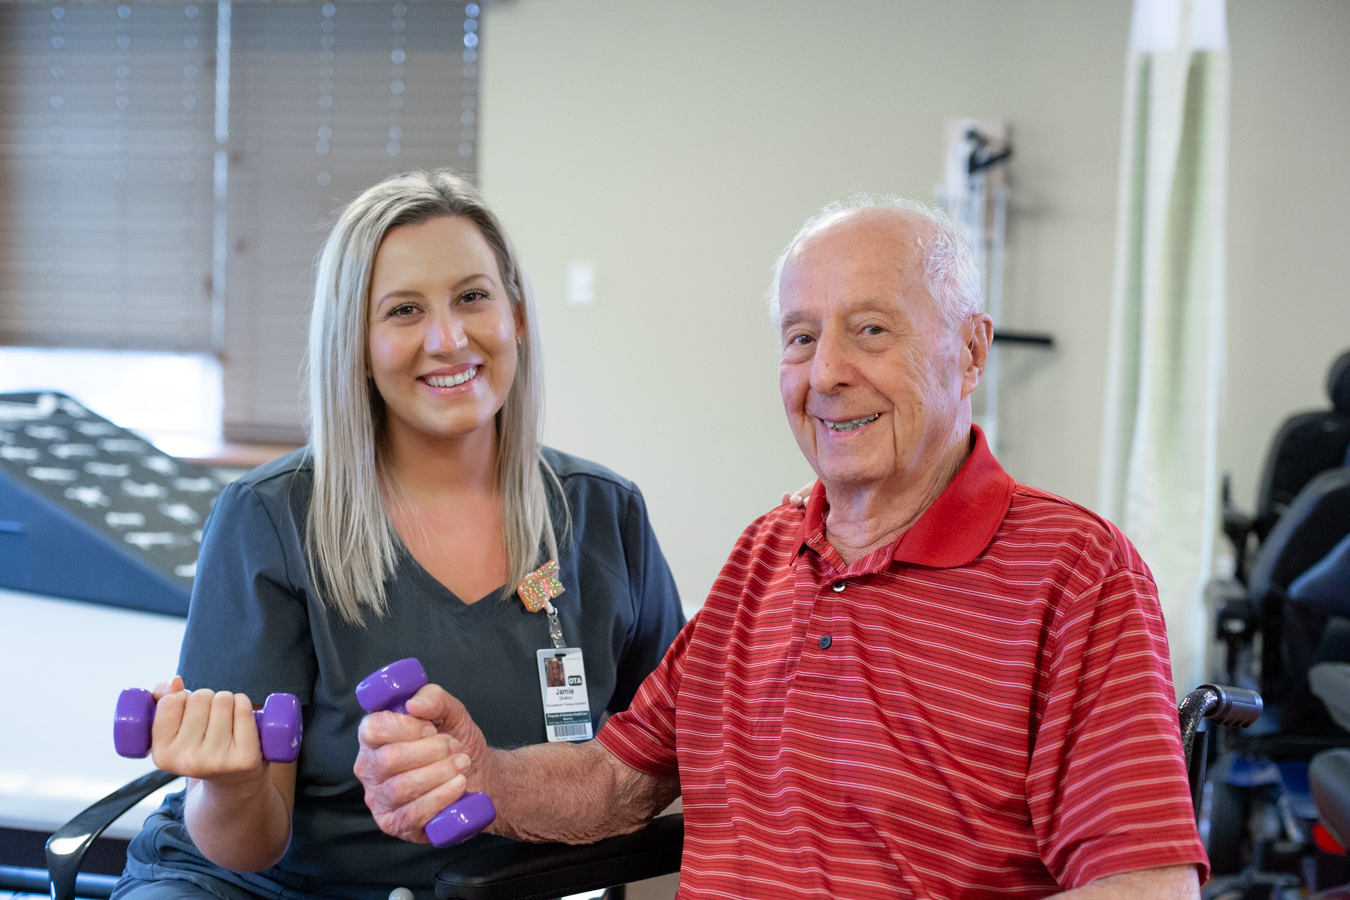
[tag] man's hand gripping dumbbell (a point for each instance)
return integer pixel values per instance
(389, 690)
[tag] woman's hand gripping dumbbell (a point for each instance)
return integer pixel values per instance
(206, 734)
(390, 689)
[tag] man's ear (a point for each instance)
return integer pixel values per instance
(977, 332)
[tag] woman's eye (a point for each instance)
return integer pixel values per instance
(872, 330)
(472, 296)
(403, 309)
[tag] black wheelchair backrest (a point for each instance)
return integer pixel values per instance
(1306, 444)
(1315, 522)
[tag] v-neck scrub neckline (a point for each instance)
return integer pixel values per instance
(447, 600)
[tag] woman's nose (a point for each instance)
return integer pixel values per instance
(446, 335)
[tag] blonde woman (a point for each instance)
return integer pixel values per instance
(423, 500)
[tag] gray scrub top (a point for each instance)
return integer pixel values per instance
(255, 626)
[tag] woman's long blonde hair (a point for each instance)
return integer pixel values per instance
(350, 542)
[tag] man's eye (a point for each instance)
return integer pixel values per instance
(872, 330)
(800, 340)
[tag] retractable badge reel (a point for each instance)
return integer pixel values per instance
(562, 670)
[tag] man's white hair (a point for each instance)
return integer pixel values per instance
(949, 270)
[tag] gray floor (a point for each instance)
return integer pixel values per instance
(656, 889)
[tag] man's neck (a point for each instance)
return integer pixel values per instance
(863, 518)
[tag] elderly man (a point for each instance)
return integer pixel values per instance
(930, 682)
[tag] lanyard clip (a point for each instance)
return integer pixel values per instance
(554, 626)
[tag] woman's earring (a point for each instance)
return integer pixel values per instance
(517, 340)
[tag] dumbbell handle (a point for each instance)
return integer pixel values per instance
(390, 688)
(279, 725)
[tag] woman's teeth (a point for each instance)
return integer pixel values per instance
(452, 380)
(851, 424)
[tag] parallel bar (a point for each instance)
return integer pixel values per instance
(1024, 337)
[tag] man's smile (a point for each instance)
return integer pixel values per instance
(845, 425)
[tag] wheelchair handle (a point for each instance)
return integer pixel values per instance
(1232, 706)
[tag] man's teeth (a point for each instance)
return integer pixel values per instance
(452, 380)
(851, 424)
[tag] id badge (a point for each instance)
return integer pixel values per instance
(562, 679)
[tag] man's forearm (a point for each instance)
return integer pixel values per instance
(1168, 883)
(571, 793)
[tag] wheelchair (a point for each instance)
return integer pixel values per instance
(1276, 623)
(524, 871)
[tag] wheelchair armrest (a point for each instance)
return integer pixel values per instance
(540, 871)
(68, 844)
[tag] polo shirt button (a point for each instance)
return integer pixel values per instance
(838, 586)
(825, 642)
(400, 893)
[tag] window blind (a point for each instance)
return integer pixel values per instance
(326, 99)
(105, 169)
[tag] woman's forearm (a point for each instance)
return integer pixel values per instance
(572, 793)
(242, 825)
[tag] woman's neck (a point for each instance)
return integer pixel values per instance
(417, 465)
(444, 502)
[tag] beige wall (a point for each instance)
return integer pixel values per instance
(679, 145)
(1288, 219)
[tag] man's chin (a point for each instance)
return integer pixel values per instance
(839, 478)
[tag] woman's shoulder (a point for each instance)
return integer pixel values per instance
(286, 479)
(573, 470)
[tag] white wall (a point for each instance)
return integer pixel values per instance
(680, 145)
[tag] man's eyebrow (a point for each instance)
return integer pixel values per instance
(890, 306)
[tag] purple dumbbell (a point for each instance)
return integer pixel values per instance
(389, 689)
(278, 723)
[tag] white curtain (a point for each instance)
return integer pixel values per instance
(1166, 356)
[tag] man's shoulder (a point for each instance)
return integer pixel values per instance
(1066, 529)
(783, 521)
(772, 538)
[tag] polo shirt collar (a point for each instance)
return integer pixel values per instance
(950, 533)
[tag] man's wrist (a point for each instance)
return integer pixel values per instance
(482, 773)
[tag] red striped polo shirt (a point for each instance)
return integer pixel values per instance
(983, 708)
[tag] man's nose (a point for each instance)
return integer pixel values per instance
(831, 365)
(446, 334)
